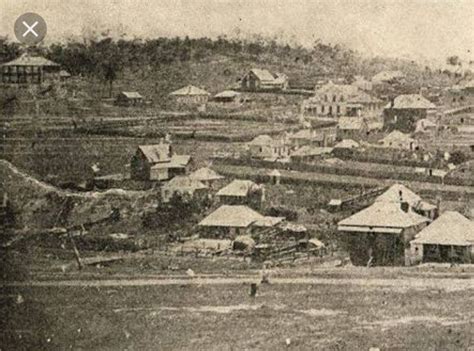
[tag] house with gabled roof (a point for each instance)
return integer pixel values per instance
(129, 98)
(450, 238)
(380, 234)
(157, 162)
(405, 110)
(262, 79)
(266, 147)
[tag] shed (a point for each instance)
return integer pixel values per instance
(129, 98)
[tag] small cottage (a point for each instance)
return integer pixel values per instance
(265, 147)
(231, 221)
(399, 140)
(227, 96)
(190, 95)
(450, 238)
(242, 192)
(183, 186)
(206, 176)
(129, 98)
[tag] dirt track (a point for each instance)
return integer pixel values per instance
(448, 284)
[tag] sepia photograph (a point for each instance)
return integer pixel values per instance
(237, 175)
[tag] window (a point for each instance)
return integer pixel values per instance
(325, 98)
(334, 98)
(322, 109)
(338, 109)
(341, 98)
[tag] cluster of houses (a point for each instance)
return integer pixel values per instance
(400, 228)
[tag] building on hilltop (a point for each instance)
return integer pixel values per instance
(190, 95)
(29, 69)
(261, 79)
(129, 98)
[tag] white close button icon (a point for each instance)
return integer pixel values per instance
(30, 28)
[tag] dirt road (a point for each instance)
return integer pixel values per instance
(447, 284)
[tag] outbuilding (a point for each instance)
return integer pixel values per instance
(450, 238)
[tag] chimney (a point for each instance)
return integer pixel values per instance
(404, 206)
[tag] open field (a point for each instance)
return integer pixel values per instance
(314, 313)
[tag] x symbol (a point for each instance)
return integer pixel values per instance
(30, 29)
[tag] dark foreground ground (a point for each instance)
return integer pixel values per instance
(413, 312)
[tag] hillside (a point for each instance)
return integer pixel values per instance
(156, 67)
(37, 204)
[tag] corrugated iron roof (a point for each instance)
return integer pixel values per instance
(237, 188)
(184, 182)
(451, 228)
(227, 94)
(205, 174)
(28, 60)
(132, 95)
(410, 101)
(189, 90)
(383, 215)
(231, 216)
(156, 153)
(263, 74)
(397, 193)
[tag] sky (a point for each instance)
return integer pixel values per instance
(424, 30)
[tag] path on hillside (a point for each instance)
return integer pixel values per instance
(326, 178)
(448, 284)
